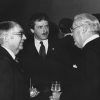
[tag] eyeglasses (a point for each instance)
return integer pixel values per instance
(19, 34)
(73, 29)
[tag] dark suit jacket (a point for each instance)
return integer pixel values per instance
(89, 64)
(70, 54)
(11, 78)
(91, 70)
(44, 71)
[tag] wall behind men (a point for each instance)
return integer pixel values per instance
(70, 8)
(21, 10)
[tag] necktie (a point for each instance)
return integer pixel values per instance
(42, 51)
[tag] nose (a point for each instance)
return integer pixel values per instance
(44, 30)
(24, 37)
(71, 34)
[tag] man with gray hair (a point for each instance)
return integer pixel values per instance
(86, 28)
(11, 76)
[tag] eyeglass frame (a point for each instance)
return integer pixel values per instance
(72, 29)
(21, 35)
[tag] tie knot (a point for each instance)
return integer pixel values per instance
(41, 42)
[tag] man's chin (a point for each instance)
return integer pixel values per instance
(44, 38)
(21, 47)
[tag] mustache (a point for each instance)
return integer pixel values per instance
(46, 33)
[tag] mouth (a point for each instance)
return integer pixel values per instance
(21, 42)
(45, 33)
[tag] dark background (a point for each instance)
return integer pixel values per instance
(21, 10)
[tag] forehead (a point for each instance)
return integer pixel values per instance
(16, 28)
(41, 23)
(78, 23)
(79, 20)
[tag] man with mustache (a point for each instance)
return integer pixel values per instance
(39, 58)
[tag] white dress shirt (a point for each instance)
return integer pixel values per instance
(37, 44)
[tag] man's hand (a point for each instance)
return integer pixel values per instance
(33, 92)
(55, 96)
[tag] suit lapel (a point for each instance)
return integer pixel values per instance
(50, 48)
(49, 52)
(34, 51)
(5, 54)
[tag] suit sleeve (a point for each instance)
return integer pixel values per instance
(6, 81)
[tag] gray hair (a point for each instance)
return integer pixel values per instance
(88, 19)
(5, 26)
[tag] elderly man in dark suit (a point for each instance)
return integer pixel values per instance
(41, 59)
(86, 28)
(11, 76)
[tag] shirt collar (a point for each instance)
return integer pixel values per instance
(37, 44)
(45, 42)
(90, 39)
(10, 52)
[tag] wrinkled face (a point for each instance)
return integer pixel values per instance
(41, 29)
(78, 34)
(16, 39)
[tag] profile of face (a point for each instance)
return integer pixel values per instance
(16, 39)
(84, 26)
(77, 32)
(41, 29)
